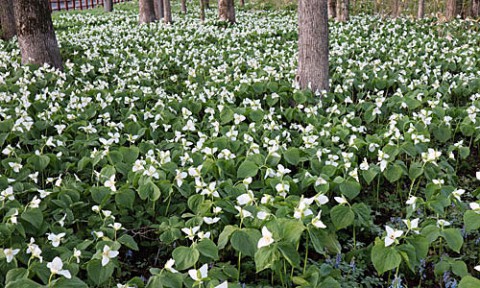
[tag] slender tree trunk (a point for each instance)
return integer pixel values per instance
(158, 7)
(7, 19)
(167, 12)
(36, 35)
(332, 5)
(421, 9)
(147, 11)
(231, 11)
(108, 5)
(313, 45)
(226, 10)
(475, 8)
(450, 11)
(242, 3)
(184, 6)
(206, 3)
(202, 10)
(342, 10)
(395, 8)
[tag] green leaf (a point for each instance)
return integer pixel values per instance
(459, 268)
(185, 257)
(369, 175)
(289, 252)
(97, 273)
(330, 282)
(125, 198)
(245, 241)
(292, 155)
(322, 239)
(393, 173)
(471, 220)
(415, 170)
(100, 193)
(128, 241)
(247, 169)
(454, 238)
(469, 282)
(342, 216)
(225, 236)
(130, 154)
(33, 216)
(350, 188)
(23, 283)
(442, 133)
(16, 274)
(39, 162)
(70, 283)
(384, 258)
(207, 248)
(290, 229)
(149, 190)
(265, 257)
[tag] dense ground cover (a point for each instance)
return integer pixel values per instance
(190, 142)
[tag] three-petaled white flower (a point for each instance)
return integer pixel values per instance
(317, 222)
(200, 274)
(110, 183)
(10, 253)
(266, 239)
(412, 225)
(55, 238)
(169, 266)
(108, 254)
(56, 268)
(392, 235)
(191, 232)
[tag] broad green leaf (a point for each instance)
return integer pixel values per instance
(97, 273)
(149, 190)
(128, 241)
(415, 170)
(245, 241)
(24, 283)
(247, 169)
(369, 175)
(442, 133)
(384, 258)
(289, 252)
(459, 268)
(350, 188)
(265, 257)
(322, 239)
(393, 173)
(469, 282)
(125, 198)
(454, 238)
(130, 154)
(471, 220)
(292, 155)
(207, 248)
(342, 216)
(39, 162)
(33, 216)
(74, 282)
(16, 274)
(225, 236)
(185, 257)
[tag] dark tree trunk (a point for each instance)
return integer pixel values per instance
(226, 10)
(451, 9)
(158, 6)
(36, 36)
(184, 6)
(206, 3)
(108, 5)
(313, 45)
(202, 10)
(332, 6)
(7, 19)
(167, 12)
(421, 9)
(475, 8)
(342, 10)
(231, 11)
(146, 11)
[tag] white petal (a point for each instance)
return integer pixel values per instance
(105, 260)
(204, 271)
(193, 274)
(65, 273)
(388, 241)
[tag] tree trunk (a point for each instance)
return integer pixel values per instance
(184, 6)
(147, 11)
(450, 11)
(7, 19)
(242, 3)
(202, 10)
(108, 5)
(396, 8)
(226, 10)
(421, 9)
(158, 7)
(342, 10)
(475, 8)
(313, 45)
(231, 11)
(332, 5)
(206, 3)
(36, 36)
(167, 12)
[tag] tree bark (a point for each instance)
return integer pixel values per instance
(475, 8)
(167, 12)
(184, 6)
(396, 8)
(421, 9)
(450, 11)
(146, 11)
(158, 7)
(36, 35)
(226, 10)
(312, 70)
(231, 11)
(342, 10)
(242, 3)
(108, 5)
(7, 19)
(206, 3)
(202, 10)
(332, 6)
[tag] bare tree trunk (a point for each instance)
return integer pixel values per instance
(206, 3)
(108, 5)
(475, 8)
(242, 3)
(202, 10)
(36, 35)
(226, 10)
(313, 45)
(231, 11)
(7, 18)
(342, 10)
(395, 8)
(184, 6)
(421, 9)
(147, 11)
(450, 11)
(158, 7)
(167, 12)
(332, 6)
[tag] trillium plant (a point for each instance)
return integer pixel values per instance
(184, 155)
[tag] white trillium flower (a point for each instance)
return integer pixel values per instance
(477, 175)
(341, 200)
(55, 238)
(200, 274)
(191, 232)
(108, 254)
(475, 207)
(320, 199)
(266, 239)
(457, 193)
(224, 284)
(210, 220)
(246, 198)
(442, 223)
(110, 183)
(77, 253)
(477, 268)
(392, 235)
(412, 225)
(56, 268)
(169, 266)
(317, 222)
(10, 253)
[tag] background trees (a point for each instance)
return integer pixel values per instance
(7, 19)
(146, 11)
